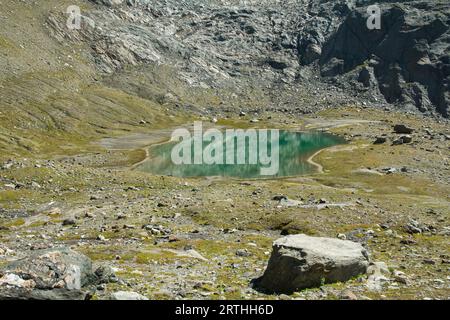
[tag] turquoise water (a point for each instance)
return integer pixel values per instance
(294, 150)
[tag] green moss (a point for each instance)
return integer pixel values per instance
(14, 223)
(5, 43)
(10, 195)
(37, 224)
(162, 256)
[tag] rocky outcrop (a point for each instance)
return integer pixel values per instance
(50, 274)
(408, 57)
(299, 261)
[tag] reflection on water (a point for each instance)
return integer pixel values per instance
(294, 150)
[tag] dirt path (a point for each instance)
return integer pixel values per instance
(317, 165)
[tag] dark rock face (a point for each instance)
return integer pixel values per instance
(50, 274)
(409, 54)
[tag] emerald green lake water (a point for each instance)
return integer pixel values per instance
(295, 148)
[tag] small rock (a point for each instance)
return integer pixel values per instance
(380, 140)
(406, 139)
(105, 274)
(378, 275)
(391, 170)
(177, 215)
(279, 198)
(121, 216)
(69, 222)
(7, 165)
(412, 227)
(89, 215)
(101, 237)
(402, 129)
(127, 295)
(347, 295)
(408, 241)
(400, 277)
(342, 236)
(101, 287)
(429, 261)
(157, 230)
(378, 268)
(35, 185)
(243, 253)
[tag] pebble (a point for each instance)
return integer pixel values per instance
(243, 253)
(429, 261)
(347, 295)
(101, 237)
(69, 222)
(342, 236)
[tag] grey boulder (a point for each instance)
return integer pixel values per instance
(50, 274)
(300, 261)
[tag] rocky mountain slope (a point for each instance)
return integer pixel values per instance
(287, 46)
